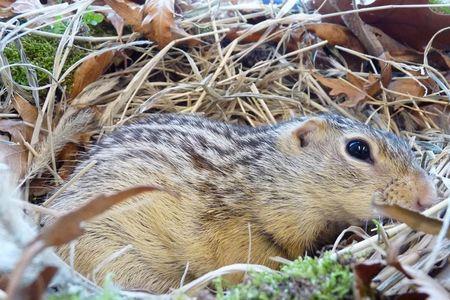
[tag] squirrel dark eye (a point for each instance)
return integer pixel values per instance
(359, 149)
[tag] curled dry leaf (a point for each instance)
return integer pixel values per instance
(27, 112)
(407, 86)
(335, 35)
(129, 11)
(364, 273)
(155, 20)
(355, 89)
(90, 70)
(411, 218)
(411, 26)
(116, 21)
(159, 20)
(12, 149)
(370, 41)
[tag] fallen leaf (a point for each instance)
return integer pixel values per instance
(12, 150)
(333, 33)
(27, 112)
(396, 50)
(364, 274)
(411, 218)
(410, 26)
(67, 157)
(130, 12)
(159, 20)
(90, 70)
(116, 21)
(370, 41)
(336, 35)
(355, 89)
(407, 86)
(155, 20)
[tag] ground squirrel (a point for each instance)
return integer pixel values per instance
(284, 187)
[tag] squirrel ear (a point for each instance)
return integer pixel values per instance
(305, 131)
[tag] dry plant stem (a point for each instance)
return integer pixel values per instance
(109, 259)
(366, 244)
(133, 87)
(216, 73)
(442, 82)
(440, 238)
(208, 277)
(69, 183)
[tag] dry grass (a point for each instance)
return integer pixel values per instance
(254, 83)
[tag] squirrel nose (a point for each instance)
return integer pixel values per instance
(426, 194)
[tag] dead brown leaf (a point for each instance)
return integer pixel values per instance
(370, 41)
(12, 149)
(336, 35)
(364, 273)
(411, 218)
(333, 33)
(407, 86)
(155, 20)
(355, 89)
(130, 12)
(69, 155)
(159, 20)
(27, 112)
(90, 70)
(116, 21)
(411, 26)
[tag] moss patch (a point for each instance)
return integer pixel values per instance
(444, 10)
(305, 278)
(40, 51)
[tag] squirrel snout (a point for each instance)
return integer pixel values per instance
(415, 191)
(425, 193)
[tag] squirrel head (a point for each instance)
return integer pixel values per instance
(340, 164)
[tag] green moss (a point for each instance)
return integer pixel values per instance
(306, 278)
(445, 10)
(40, 51)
